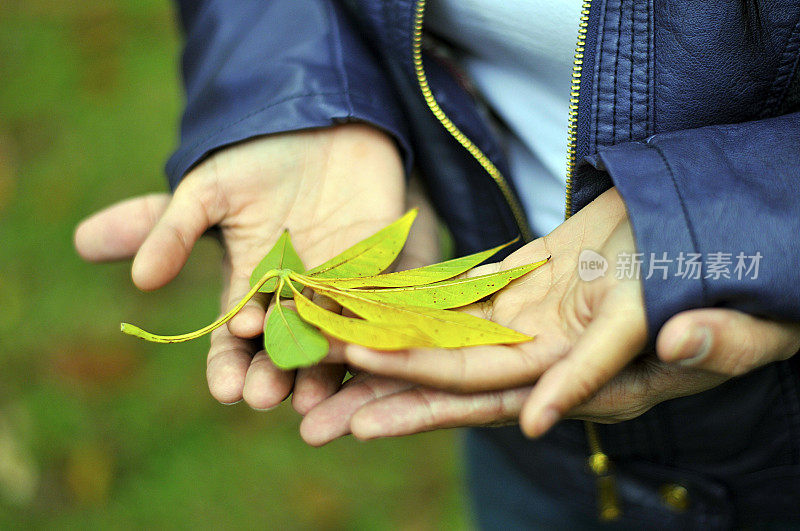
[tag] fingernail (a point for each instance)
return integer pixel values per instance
(694, 347)
(231, 403)
(546, 420)
(264, 408)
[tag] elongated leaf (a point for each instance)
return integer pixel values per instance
(290, 341)
(419, 275)
(281, 256)
(448, 293)
(156, 338)
(369, 256)
(381, 336)
(449, 329)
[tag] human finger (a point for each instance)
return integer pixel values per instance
(725, 341)
(194, 208)
(612, 339)
(424, 409)
(331, 418)
(117, 232)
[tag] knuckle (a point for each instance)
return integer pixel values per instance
(748, 347)
(741, 364)
(426, 407)
(369, 389)
(205, 190)
(209, 199)
(455, 376)
(498, 410)
(605, 412)
(503, 409)
(739, 359)
(462, 382)
(180, 236)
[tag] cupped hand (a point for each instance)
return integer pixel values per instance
(587, 334)
(371, 406)
(330, 187)
(580, 384)
(547, 303)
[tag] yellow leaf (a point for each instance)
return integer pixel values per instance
(448, 293)
(381, 336)
(369, 256)
(419, 275)
(447, 328)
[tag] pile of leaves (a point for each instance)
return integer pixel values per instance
(393, 311)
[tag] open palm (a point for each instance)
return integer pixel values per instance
(329, 187)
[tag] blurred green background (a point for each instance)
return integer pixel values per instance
(98, 429)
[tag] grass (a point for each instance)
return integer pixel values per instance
(98, 429)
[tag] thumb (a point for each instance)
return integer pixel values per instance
(615, 335)
(196, 206)
(117, 232)
(725, 341)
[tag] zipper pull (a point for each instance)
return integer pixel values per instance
(600, 465)
(607, 499)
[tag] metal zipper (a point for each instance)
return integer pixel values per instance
(574, 96)
(469, 145)
(598, 462)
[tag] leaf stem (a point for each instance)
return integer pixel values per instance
(281, 282)
(148, 336)
(291, 286)
(313, 283)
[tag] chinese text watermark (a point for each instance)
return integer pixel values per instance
(687, 266)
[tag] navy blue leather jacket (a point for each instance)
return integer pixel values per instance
(689, 107)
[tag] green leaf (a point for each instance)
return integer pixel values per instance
(381, 336)
(448, 293)
(281, 256)
(290, 341)
(370, 256)
(420, 275)
(447, 328)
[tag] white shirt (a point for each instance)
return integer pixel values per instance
(519, 55)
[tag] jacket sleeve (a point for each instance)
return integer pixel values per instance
(253, 68)
(727, 196)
